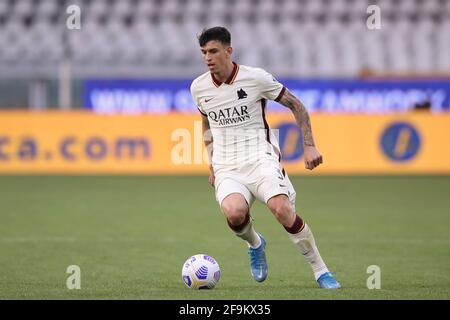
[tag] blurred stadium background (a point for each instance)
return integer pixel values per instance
(156, 38)
(79, 107)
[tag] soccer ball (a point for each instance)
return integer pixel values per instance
(200, 272)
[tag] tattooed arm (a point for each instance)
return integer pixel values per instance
(312, 156)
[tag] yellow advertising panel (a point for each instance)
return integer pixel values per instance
(409, 143)
(82, 142)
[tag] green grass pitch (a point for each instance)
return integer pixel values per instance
(131, 235)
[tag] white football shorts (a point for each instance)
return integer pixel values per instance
(261, 180)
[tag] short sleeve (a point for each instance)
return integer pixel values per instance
(270, 88)
(196, 100)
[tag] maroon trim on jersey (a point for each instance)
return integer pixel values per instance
(215, 81)
(266, 126)
(279, 160)
(201, 112)
(281, 94)
(230, 78)
(233, 74)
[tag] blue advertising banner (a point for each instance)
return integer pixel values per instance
(138, 96)
(123, 96)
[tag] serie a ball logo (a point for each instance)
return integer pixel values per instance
(200, 272)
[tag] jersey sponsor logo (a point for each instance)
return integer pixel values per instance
(241, 94)
(400, 141)
(208, 100)
(232, 115)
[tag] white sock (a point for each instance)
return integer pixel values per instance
(249, 234)
(304, 241)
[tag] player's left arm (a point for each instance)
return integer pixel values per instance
(313, 158)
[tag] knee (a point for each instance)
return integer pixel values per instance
(281, 208)
(235, 212)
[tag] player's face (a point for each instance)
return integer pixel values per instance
(216, 55)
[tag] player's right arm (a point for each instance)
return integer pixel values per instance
(208, 140)
(207, 136)
(312, 156)
(273, 90)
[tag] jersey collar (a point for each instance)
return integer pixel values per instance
(230, 79)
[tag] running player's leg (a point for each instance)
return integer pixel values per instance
(235, 201)
(236, 210)
(277, 192)
(299, 232)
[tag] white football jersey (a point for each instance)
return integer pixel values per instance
(236, 114)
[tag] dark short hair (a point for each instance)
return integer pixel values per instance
(220, 34)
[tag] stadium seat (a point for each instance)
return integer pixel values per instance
(310, 37)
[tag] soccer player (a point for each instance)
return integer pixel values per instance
(245, 155)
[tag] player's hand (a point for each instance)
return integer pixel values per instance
(212, 178)
(313, 158)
